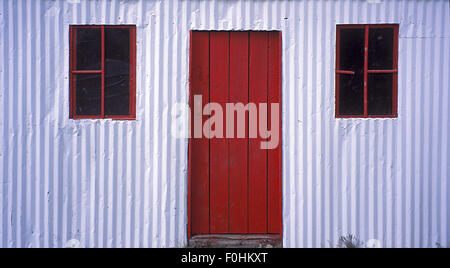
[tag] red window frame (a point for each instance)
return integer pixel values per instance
(73, 72)
(393, 70)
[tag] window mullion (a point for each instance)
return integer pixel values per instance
(366, 67)
(71, 75)
(382, 71)
(103, 73)
(345, 72)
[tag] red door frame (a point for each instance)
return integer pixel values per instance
(275, 154)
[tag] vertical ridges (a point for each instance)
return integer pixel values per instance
(115, 183)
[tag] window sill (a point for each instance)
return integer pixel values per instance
(126, 118)
(367, 117)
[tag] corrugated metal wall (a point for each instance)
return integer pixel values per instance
(124, 184)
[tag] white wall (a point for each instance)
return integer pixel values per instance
(124, 184)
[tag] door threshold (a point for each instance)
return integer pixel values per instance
(235, 241)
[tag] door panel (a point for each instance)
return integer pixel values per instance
(274, 155)
(238, 147)
(220, 56)
(199, 147)
(257, 166)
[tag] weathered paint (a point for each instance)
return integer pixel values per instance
(124, 183)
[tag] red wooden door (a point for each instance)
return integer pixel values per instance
(234, 185)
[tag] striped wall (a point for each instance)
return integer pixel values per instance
(102, 183)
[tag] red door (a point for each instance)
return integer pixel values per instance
(234, 185)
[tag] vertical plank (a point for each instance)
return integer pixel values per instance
(199, 147)
(238, 209)
(257, 156)
(219, 89)
(274, 210)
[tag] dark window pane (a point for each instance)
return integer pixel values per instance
(117, 71)
(89, 49)
(88, 94)
(381, 48)
(351, 50)
(379, 94)
(351, 94)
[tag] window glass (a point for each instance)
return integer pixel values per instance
(379, 94)
(88, 49)
(351, 94)
(381, 48)
(88, 94)
(117, 71)
(351, 49)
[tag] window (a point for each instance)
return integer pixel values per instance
(103, 72)
(366, 71)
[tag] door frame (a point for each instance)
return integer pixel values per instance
(266, 237)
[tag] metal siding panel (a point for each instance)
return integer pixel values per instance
(124, 184)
